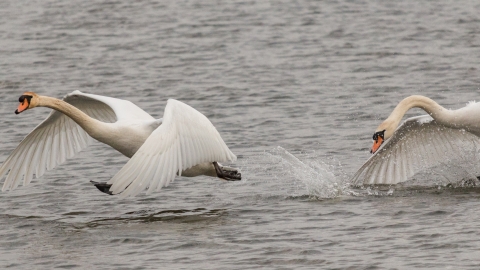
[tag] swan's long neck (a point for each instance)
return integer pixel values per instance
(438, 112)
(92, 126)
(424, 103)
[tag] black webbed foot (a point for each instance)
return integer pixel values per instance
(226, 173)
(103, 187)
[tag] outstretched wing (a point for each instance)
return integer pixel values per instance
(54, 140)
(419, 143)
(184, 139)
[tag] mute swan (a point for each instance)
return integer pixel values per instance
(420, 142)
(184, 142)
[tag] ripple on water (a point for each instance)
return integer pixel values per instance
(314, 78)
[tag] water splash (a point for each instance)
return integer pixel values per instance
(317, 177)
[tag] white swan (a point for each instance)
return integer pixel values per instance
(420, 142)
(184, 142)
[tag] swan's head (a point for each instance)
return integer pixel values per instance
(27, 101)
(382, 133)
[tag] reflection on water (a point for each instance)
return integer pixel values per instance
(145, 216)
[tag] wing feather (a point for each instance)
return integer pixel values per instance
(184, 139)
(154, 186)
(54, 140)
(419, 143)
(404, 168)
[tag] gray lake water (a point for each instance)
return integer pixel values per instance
(296, 89)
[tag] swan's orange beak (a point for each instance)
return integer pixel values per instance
(376, 145)
(24, 103)
(22, 107)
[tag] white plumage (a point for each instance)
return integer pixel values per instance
(420, 142)
(188, 138)
(159, 150)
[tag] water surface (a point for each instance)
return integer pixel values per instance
(308, 78)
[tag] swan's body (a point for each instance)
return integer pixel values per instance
(184, 142)
(420, 142)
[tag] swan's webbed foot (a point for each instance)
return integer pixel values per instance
(229, 174)
(103, 187)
